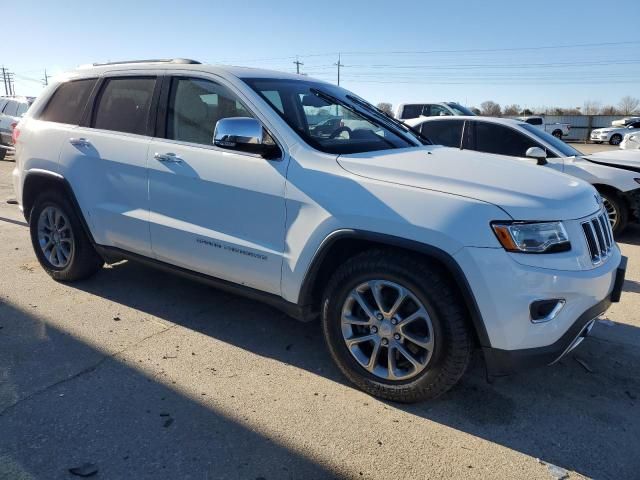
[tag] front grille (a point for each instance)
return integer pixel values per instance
(597, 232)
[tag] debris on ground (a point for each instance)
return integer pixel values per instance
(116, 319)
(584, 364)
(12, 201)
(84, 470)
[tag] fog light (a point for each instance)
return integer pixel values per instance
(546, 310)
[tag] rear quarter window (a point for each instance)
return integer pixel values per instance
(68, 102)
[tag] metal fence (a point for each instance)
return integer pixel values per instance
(581, 125)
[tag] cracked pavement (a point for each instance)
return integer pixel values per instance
(147, 375)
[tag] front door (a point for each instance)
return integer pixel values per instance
(214, 211)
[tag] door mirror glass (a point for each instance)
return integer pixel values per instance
(244, 134)
(538, 153)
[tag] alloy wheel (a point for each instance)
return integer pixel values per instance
(55, 237)
(387, 330)
(612, 212)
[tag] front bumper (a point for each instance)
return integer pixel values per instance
(504, 362)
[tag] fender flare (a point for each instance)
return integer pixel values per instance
(65, 187)
(443, 257)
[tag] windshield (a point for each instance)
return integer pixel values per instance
(327, 119)
(459, 109)
(559, 145)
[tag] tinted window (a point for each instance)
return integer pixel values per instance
(195, 106)
(501, 140)
(534, 121)
(437, 111)
(446, 132)
(411, 111)
(123, 105)
(565, 149)
(11, 108)
(635, 125)
(68, 102)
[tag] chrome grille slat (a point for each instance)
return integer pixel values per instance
(599, 237)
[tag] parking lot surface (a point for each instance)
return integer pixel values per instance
(146, 375)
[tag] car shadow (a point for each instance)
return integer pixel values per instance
(581, 414)
(63, 403)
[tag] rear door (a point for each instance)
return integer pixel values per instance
(214, 211)
(106, 160)
(6, 118)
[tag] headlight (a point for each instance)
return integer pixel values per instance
(546, 237)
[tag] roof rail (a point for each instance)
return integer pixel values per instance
(183, 61)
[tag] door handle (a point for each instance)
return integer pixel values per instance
(80, 142)
(167, 157)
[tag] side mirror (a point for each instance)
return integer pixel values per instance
(538, 153)
(244, 134)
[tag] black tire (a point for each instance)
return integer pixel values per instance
(453, 339)
(557, 134)
(84, 261)
(622, 210)
(3, 153)
(615, 139)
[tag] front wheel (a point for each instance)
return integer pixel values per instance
(617, 211)
(396, 326)
(615, 140)
(59, 241)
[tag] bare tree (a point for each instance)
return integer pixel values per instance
(609, 110)
(385, 107)
(628, 105)
(591, 107)
(511, 110)
(490, 109)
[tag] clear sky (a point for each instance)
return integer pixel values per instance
(524, 52)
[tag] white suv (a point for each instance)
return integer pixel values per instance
(411, 254)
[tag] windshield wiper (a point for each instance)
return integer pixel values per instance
(390, 117)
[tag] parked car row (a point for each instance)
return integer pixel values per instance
(11, 110)
(411, 254)
(614, 134)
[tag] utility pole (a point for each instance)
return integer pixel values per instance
(297, 63)
(339, 64)
(45, 80)
(4, 79)
(10, 80)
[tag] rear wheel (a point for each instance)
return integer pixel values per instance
(617, 211)
(557, 134)
(615, 139)
(396, 327)
(59, 241)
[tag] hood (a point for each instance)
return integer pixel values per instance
(525, 191)
(605, 130)
(622, 158)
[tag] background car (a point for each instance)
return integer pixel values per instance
(631, 141)
(11, 110)
(613, 135)
(614, 174)
(556, 129)
(623, 122)
(415, 110)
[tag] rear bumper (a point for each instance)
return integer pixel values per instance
(504, 362)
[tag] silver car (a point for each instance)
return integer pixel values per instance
(614, 135)
(11, 110)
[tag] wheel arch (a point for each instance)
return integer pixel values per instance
(343, 244)
(39, 181)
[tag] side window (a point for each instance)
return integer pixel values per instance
(68, 102)
(123, 104)
(439, 111)
(501, 140)
(274, 98)
(195, 106)
(11, 108)
(22, 109)
(534, 121)
(411, 111)
(635, 125)
(445, 132)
